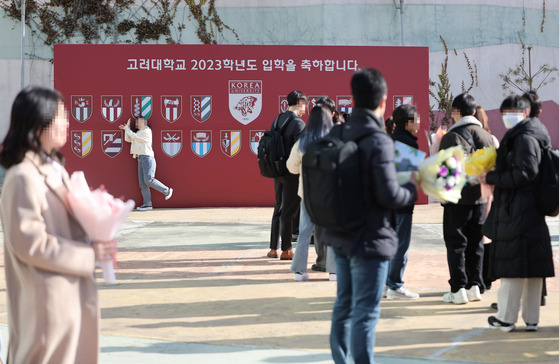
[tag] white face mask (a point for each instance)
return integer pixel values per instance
(511, 120)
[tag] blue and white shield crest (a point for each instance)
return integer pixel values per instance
(201, 141)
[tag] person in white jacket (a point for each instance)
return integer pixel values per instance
(141, 148)
(318, 125)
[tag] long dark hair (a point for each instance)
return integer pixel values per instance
(318, 125)
(33, 111)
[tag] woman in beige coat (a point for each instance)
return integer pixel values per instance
(52, 295)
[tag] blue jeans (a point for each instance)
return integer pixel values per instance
(357, 309)
(398, 263)
(146, 177)
(301, 257)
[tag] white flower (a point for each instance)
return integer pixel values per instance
(451, 162)
(441, 182)
(451, 181)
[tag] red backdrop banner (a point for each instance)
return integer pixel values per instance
(208, 105)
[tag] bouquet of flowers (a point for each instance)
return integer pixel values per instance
(481, 161)
(442, 175)
(100, 214)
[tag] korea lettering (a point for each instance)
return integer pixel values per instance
(171, 142)
(245, 100)
(111, 142)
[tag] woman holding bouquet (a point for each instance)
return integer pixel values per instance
(521, 253)
(53, 314)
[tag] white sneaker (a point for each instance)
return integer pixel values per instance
(300, 277)
(168, 195)
(401, 294)
(473, 294)
(144, 208)
(333, 277)
(457, 298)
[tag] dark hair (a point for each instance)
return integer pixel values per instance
(346, 116)
(318, 125)
(402, 114)
(515, 102)
(338, 118)
(535, 103)
(33, 110)
(481, 115)
(327, 102)
(389, 125)
(368, 87)
(465, 103)
(295, 96)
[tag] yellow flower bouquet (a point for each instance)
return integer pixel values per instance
(442, 175)
(481, 161)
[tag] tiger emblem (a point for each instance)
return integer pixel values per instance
(246, 105)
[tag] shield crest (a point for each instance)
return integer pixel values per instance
(171, 107)
(171, 142)
(141, 106)
(111, 108)
(111, 142)
(283, 105)
(402, 100)
(200, 107)
(312, 102)
(230, 142)
(245, 100)
(81, 107)
(201, 141)
(82, 142)
(255, 136)
(345, 103)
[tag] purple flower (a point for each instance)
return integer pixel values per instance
(443, 172)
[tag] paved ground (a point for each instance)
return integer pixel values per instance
(195, 286)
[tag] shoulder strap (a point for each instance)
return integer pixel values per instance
(337, 131)
(275, 124)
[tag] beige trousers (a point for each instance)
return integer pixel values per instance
(515, 292)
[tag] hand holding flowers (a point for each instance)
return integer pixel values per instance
(442, 175)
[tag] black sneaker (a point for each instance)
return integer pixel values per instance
(531, 327)
(318, 268)
(495, 323)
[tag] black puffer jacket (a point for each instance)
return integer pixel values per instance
(377, 238)
(521, 244)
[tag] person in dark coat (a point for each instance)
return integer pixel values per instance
(286, 187)
(406, 125)
(363, 254)
(462, 221)
(521, 253)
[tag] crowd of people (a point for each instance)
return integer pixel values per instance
(495, 231)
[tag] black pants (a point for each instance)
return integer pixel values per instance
(285, 210)
(464, 248)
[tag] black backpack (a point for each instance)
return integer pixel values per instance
(547, 192)
(333, 189)
(272, 157)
